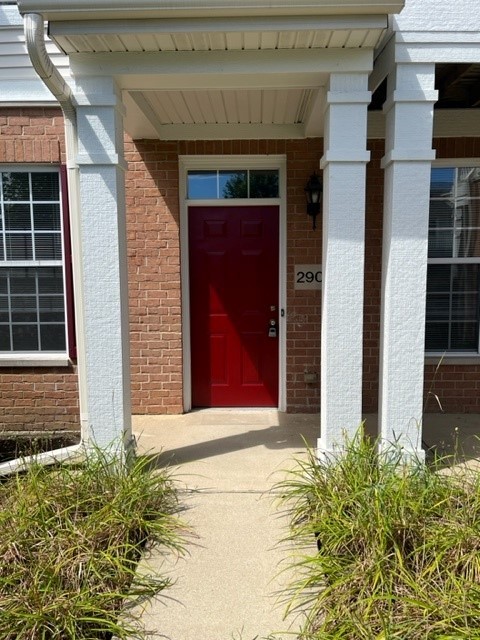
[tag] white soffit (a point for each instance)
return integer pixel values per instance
(254, 114)
(218, 34)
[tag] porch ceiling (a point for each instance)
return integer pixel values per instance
(219, 77)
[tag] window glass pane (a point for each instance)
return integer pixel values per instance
(15, 186)
(22, 281)
(468, 182)
(465, 277)
(438, 277)
(4, 337)
(465, 306)
(436, 336)
(52, 337)
(4, 309)
(438, 306)
(45, 186)
(25, 337)
(456, 303)
(46, 217)
(37, 306)
(19, 246)
(441, 213)
(24, 308)
(51, 309)
(468, 243)
(202, 185)
(50, 280)
(32, 303)
(464, 336)
(17, 217)
(48, 246)
(467, 213)
(264, 184)
(233, 184)
(440, 244)
(442, 181)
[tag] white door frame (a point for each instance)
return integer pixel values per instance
(187, 163)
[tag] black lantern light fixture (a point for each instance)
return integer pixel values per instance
(313, 193)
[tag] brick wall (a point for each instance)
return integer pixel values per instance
(373, 265)
(448, 387)
(456, 386)
(304, 246)
(33, 399)
(154, 267)
(47, 398)
(153, 242)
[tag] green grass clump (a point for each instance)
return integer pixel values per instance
(71, 537)
(399, 547)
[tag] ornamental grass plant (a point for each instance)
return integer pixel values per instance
(71, 537)
(398, 554)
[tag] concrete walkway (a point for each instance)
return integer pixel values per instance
(228, 461)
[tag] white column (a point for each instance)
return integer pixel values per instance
(105, 349)
(407, 164)
(343, 165)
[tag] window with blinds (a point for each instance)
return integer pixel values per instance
(32, 274)
(453, 278)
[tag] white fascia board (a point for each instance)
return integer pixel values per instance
(230, 131)
(438, 37)
(449, 52)
(104, 9)
(447, 123)
(165, 70)
(216, 24)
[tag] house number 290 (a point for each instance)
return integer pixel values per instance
(308, 276)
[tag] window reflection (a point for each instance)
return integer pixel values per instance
(232, 184)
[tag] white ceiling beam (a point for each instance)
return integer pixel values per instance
(315, 118)
(229, 131)
(212, 25)
(222, 69)
(383, 65)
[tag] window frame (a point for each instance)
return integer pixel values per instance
(47, 358)
(454, 357)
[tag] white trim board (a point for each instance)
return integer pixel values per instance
(187, 163)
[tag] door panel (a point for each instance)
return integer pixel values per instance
(233, 255)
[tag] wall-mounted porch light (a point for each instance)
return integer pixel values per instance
(313, 193)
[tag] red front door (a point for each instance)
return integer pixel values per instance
(233, 300)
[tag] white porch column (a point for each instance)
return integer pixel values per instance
(103, 261)
(343, 164)
(407, 164)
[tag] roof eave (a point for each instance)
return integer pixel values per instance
(123, 9)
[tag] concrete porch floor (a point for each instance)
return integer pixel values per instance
(227, 462)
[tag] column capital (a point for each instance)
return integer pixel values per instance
(407, 155)
(427, 96)
(345, 155)
(85, 159)
(348, 97)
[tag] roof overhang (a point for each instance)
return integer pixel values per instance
(125, 9)
(211, 69)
